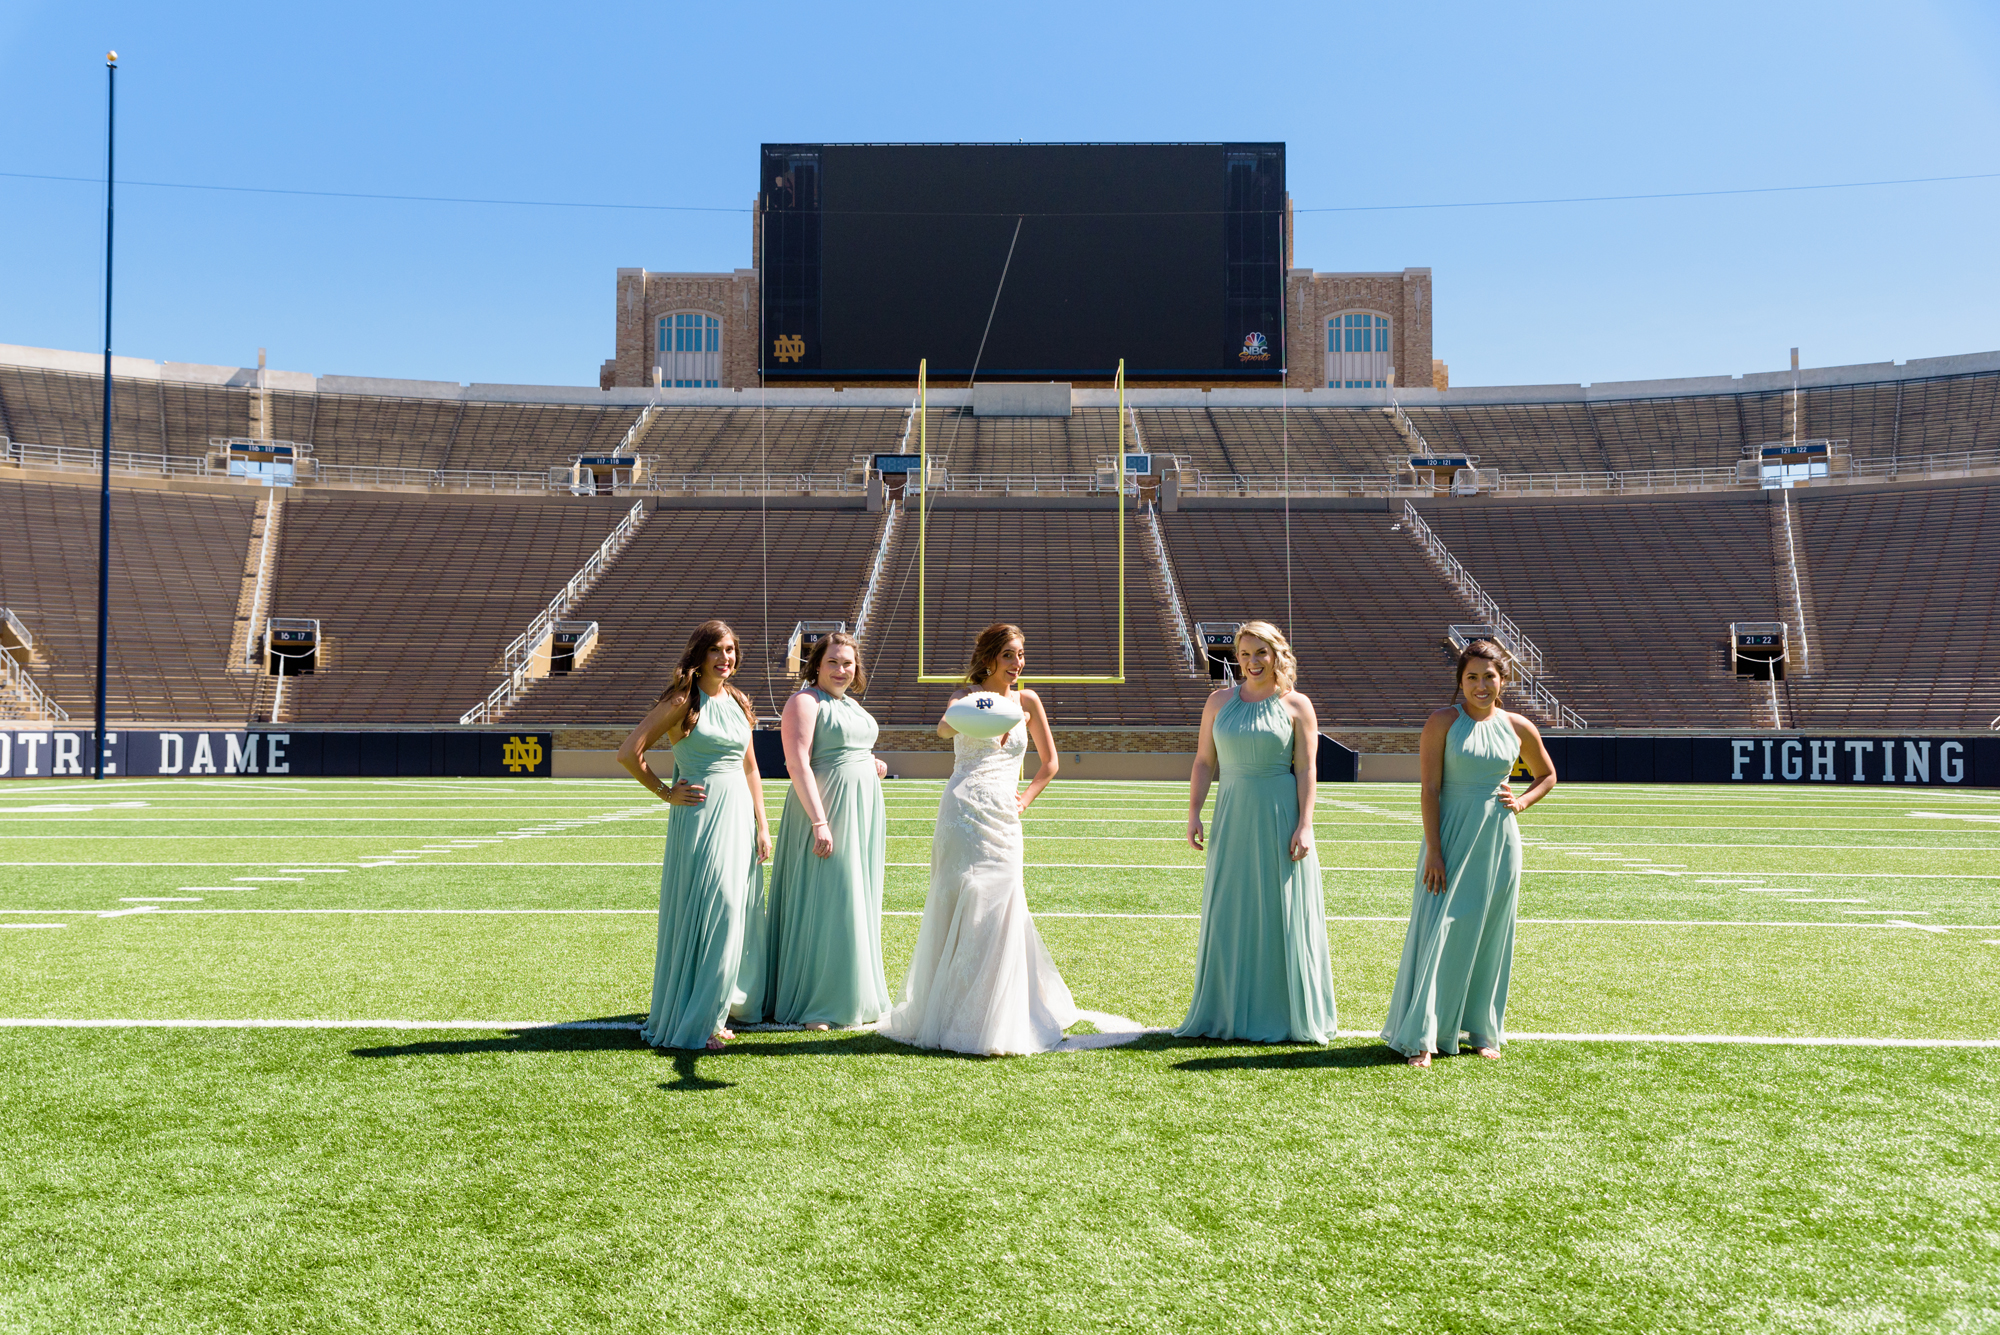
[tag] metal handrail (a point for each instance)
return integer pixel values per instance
(1172, 588)
(16, 678)
(1193, 481)
(1525, 651)
(875, 573)
(516, 658)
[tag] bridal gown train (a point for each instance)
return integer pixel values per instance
(981, 980)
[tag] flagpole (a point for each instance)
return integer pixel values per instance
(104, 470)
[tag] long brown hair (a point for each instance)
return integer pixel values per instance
(1492, 653)
(687, 673)
(986, 650)
(809, 670)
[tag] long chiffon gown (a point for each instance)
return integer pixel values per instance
(1261, 970)
(704, 882)
(812, 948)
(981, 980)
(1459, 946)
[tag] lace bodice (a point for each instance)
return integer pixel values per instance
(997, 757)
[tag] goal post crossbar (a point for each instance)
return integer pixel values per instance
(923, 526)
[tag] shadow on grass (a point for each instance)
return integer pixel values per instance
(611, 1033)
(602, 1033)
(1225, 1055)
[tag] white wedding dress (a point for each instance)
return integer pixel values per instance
(981, 980)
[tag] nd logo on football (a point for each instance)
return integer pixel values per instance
(518, 755)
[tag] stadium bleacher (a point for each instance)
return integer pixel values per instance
(1368, 612)
(416, 597)
(1052, 570)
(1629, 601)
(1892, 571)
(682, 567)
(1906, 615)
(176, 571)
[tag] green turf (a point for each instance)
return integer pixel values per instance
(369, 1179)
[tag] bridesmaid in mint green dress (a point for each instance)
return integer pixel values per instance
(812, 954)
(1261, 971)
(717, 833)
(1459, 946)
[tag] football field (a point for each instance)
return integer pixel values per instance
(362, 1055)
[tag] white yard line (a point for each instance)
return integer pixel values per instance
(624, 1026)
(31, 925)
(1038, 913)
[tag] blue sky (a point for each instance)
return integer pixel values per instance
(666, 104)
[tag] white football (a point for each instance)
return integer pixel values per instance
(984, 714)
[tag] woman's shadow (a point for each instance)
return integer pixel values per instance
(610, 1033)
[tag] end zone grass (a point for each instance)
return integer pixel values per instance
(530, 1179)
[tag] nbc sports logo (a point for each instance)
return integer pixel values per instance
(1256, 348)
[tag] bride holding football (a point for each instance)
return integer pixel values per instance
(981, 980)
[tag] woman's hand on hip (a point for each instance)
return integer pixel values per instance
(684, 793)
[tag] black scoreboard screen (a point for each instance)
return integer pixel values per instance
(876, 256)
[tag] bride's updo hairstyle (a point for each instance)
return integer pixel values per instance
(1474, 651)
(1281, 649)
(986, 650)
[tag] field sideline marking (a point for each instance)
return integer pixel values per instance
(620, 1026)
(1036, 913)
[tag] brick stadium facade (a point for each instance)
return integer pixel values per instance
(644, 299)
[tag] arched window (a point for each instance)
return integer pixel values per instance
(1357, 351)
(689, 351)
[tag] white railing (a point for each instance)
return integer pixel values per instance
(1407, 427)
(15, 679)
(877, 571)
(1615, 482)
(748, 484)
(77, 458)
(1524, 650)
(273, 507)
(1171, 586)
(1197, 483)
(518, 654)
(1952, 464)
(1599, 482)
(1526, 653)
(637, 429)
(1009, 484)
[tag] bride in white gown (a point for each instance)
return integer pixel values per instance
(981, 980)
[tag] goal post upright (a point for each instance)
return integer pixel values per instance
(925, 677)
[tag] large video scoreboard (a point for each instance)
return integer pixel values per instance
(1170, 256)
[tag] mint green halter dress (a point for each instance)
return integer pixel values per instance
(1261, 970)
(812, 950)
(1459, 946)
(705, 877)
